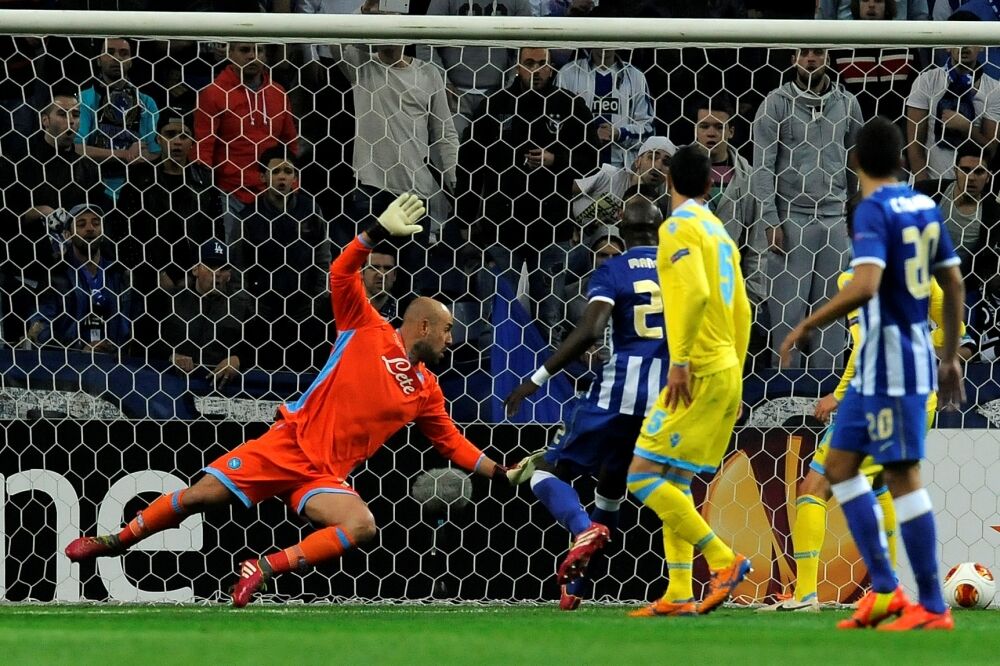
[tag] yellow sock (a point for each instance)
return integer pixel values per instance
(679, 515)
(680, 555)
(808, 533)
(888, 521)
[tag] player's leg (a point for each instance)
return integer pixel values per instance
(918, 531)
(678, 552)
(343, 521)
(808, 534)
(165, 512)
(884, 498)
(608, 496)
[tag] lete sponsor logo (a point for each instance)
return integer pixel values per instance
(402, 371)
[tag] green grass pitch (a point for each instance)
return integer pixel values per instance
(442, 634)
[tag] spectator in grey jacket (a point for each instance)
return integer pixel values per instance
(734, 204)
(406, 139)
(802, 134)
(472, 72)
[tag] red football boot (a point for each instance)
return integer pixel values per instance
(567, 601)
(86, 549)
(254, 575)
(584, 546)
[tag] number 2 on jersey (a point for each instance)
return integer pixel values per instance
(917, 267)
(641, 312)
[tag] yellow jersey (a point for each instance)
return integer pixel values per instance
(705, 302)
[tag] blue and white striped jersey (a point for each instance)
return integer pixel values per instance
(618, 96)
(901, 231)
(636, 372)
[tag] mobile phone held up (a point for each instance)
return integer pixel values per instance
(394, 6)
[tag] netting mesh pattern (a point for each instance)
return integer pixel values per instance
(170, 209)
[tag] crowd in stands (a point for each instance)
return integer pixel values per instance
(181, 201)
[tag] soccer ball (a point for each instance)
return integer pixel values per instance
(969, 585)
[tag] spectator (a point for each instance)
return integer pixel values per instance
(568, 9)
(880, 78)
(969, 209)
(87, 305)
(40, 187)
(982, 340)
(948, 106)
(978, 10)
(117, 122)
(239, 116)
(472, 72)
(902, 10)
(618, 97)
(599, 197)
(802, 134)
(406, 140)
(733, 202)
(166, 211)
(284, 251)
(207, 319)
(163, 213)
(526, 145)
(379, 276)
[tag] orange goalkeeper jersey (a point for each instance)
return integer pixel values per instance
(369, 388)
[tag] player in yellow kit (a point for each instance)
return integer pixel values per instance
(809, 528)
(687, 431)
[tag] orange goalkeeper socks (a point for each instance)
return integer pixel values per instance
(321, 545)
(165, 512)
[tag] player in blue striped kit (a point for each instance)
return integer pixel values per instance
(899, 243)
(601, 427)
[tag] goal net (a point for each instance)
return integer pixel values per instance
(175, 186)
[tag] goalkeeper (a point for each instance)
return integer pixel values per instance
(373, 384)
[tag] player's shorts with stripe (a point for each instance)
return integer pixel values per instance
(593, 438)
(887, 428)
(868, 466)
(273, 465)
(694, 437)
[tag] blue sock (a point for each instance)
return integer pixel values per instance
(864, 517)
(916, 525)
(561, 501)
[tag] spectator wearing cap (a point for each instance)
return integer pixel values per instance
(39, 189)
(117, 122)
(88, 302)
(284, 253)
(618, 96)
(204, 330)
(599, 196)
(733, 202)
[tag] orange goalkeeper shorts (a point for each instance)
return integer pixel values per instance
(273, 465)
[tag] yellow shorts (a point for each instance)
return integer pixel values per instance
(868, 466)
(694, 437)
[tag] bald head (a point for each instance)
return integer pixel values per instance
(426, 329)
(424, 307)
(640, 220)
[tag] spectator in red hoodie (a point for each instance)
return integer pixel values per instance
(239, 116)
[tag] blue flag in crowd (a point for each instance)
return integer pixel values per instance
(518, 350)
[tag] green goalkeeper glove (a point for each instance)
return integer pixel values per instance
(400, 218)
